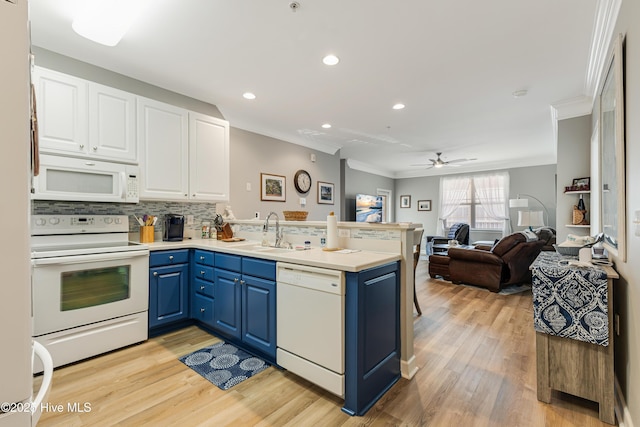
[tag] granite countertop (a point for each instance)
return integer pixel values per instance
(353, 261)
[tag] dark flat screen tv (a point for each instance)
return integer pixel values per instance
(369, 208)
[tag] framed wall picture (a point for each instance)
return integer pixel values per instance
(424, 205)
(325, 193)
(405, 201)
(581, 184)
(272, 187)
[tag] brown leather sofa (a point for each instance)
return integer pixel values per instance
(505, 263)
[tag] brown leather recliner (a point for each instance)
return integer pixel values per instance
(506, 263)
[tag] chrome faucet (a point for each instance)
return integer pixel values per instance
(265, 228)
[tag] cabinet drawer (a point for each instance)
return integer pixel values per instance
(203, 272)
(259, 268)
(168, 257)
(203, 287)
(203, 257)
(202, 309)
(228, 262)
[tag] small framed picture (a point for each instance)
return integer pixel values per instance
(581, 183)
(405, 201)
(325, 193)
(272, 187)
(424, 205)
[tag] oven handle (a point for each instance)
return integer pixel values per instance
(80, 259)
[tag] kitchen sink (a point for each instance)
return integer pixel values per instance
(257, 248)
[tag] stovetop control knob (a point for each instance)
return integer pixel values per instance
(54, 220)
(41, 221)
(108, 220)
(118, 221)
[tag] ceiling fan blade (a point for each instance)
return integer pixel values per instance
(433, 161)
(455, 165)
(422, 164)
(460, 160)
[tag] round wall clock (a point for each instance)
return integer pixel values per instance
(302, 181)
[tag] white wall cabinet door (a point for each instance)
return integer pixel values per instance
(112, 124)
(62, 112)
(209, 158)
(163, 150)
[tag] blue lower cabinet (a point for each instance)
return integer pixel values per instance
(372, 336)
(259, 314)
(168, 294)
(202, 309)
(245, 302)
(227, 303)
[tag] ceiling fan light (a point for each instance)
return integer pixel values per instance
(438, 165)
(106, 22)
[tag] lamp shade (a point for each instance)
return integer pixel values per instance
(518, 203)
(530, 218)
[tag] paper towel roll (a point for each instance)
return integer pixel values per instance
(332, 231)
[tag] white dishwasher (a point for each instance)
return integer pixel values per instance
(310, 324)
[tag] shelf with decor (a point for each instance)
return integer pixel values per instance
(579, 212)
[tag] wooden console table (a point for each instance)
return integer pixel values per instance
(573, 311)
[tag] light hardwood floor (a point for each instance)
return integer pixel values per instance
(475, 350)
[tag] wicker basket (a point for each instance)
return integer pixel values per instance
(295, 215)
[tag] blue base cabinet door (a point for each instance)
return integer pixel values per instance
(168, 294)
(227, 303)
(258, 314)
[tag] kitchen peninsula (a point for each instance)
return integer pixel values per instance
(374, 351)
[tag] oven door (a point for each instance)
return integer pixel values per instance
(72, 291)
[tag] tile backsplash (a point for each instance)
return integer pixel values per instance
(200, 211)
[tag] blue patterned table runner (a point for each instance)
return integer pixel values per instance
(569, 301)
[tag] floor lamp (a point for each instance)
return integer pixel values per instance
(530, 218)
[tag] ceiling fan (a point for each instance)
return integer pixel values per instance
(438, 162)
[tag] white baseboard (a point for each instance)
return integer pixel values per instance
(408, 368)
(621, 408)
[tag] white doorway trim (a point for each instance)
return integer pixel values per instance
(388, 203)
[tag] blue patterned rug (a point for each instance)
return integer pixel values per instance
(224, 365)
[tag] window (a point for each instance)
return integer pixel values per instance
(478, 200)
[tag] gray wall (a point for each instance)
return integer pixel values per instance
(67, 65)
(252, 154)
(574, 154)
(538, 181)
(355, 181)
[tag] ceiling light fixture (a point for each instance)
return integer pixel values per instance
(398, 106)
(248, 95)
(326, 126)
(107, 21)
(330, 60)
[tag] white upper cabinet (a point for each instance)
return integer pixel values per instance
(209, 158)
(112, 123)
(62, 112)
(84, 119)
(163, 151)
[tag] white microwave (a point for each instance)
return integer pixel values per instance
(82, 180)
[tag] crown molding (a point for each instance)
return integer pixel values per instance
(604, 25)
(569, 108)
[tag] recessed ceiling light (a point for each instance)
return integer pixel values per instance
(398, 106)
(326, 125)
(249, 95)
(330, 60)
